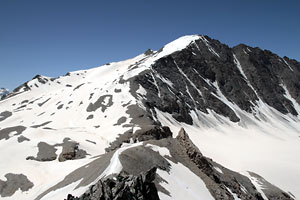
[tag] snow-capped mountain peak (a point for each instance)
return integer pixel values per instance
(3, 92)
(156, 117)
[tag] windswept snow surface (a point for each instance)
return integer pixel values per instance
(63, 103)
(177, 45)
(183, 184)
(269, 147)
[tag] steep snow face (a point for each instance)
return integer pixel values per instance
(177, 45)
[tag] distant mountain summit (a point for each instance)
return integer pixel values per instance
(193, 120)
(3, 92)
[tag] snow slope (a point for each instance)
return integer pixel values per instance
(268, 147)
(65, 108)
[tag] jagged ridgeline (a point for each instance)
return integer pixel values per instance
(195, 120)
(3, 92)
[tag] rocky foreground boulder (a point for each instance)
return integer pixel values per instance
(123, 187)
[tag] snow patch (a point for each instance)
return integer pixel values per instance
(288, 64)
(183, 184)
(177, 45)
(233, 194)
(206, 42)
(161, 150)
(218, 170)
(258, 185)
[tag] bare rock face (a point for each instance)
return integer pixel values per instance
(243, 75)
(71, 151)
(14, 183)
(123, 187)
(152, 133)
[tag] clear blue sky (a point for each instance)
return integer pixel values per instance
(56, 36)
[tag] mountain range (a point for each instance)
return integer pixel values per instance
(3, 92)
(196, 119)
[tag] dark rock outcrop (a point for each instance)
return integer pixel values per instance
(267, 72)
(71, 151)
(5, 132)
(46, 153)
(100, 103)
(14, 183)
(4, 115)
(207, 72)
(152, 133)
(123, 187)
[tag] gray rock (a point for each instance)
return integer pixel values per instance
(123, 187)
(100, 103)
(22, 139)
(16, 130)
(153, 132)
(148, 132)
(71, 151)
(41, 104)
(90, 117)
(46, 152)
(13, 183)
(40, 125)
(4, 115)
(78, 86)
(117, 90)
(120, 121)
(60, 106)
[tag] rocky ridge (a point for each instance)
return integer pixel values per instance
(221, 182)
(125, 187)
